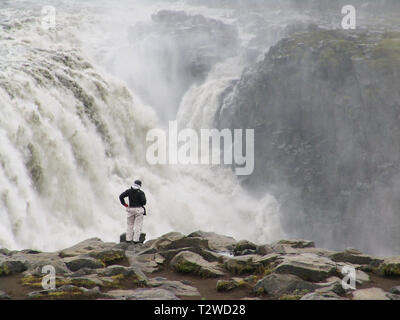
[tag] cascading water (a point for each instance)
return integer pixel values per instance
(73, 131)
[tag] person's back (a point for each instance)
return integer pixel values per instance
(135, 209)
(137, 198)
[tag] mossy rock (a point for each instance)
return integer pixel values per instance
(77, 263)
(32, 281)
(226, 285)
(289, 297)
(119, 280)
(9, 267)
(389, 267)
(109, 257)
(63, 294)
(243, 266)
(191, 263)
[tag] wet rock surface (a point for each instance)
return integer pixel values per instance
(315, 147)
(177, 266)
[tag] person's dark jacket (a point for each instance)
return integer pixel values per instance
(137, 198)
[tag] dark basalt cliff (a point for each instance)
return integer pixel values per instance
(325, 105)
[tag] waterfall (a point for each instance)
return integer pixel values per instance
(73, 134)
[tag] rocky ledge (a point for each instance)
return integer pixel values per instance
(201, 265)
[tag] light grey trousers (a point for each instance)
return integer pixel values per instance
(134, 223)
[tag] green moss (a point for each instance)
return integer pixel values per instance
(86, 283)
(296, 295)
(386, 55)
(119, 280)
(290, 297)
(4, 270)
(109, 257)
(64, 293)
(187, 267)
(243, 267)
(62, 254)
(389, 270)
(32, 281)
(267, 271)
(260, 291)
(227, 285)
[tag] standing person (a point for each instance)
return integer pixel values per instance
(135, 210)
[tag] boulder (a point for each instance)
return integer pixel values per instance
(235, 282)
(395, 290)
(76, 263)
(91, 292)
(178, 288)
(36, 263)
(108, 256)
(268, 259)
(354, 256)
(244, 247)
(226, 285)
(147, 262)
(142, 294)
(216, 242)
(85, 247)
(4, 296)
(332, 285)
(243, 264)
(362, 277)
(294, 243)
(370, 294)
(208, 255)
(5, 252)
(280, 284)
(264, 249)
(322, 296)
(131, 272)
(390, 267)
(10, 265)
(307, 266)
(317, 251)
(189, 262)
(185, 242)
(392, 296)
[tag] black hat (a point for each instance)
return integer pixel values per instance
(137, 184)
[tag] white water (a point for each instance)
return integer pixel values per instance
(63, 165)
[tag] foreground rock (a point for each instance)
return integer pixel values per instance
(9, 266)
(390, 267)
(189, 262)
(286, 270)
(4, 296)
(354, 256)
(370, 294)
(280, 284)
(307, 266)
(142, 294)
